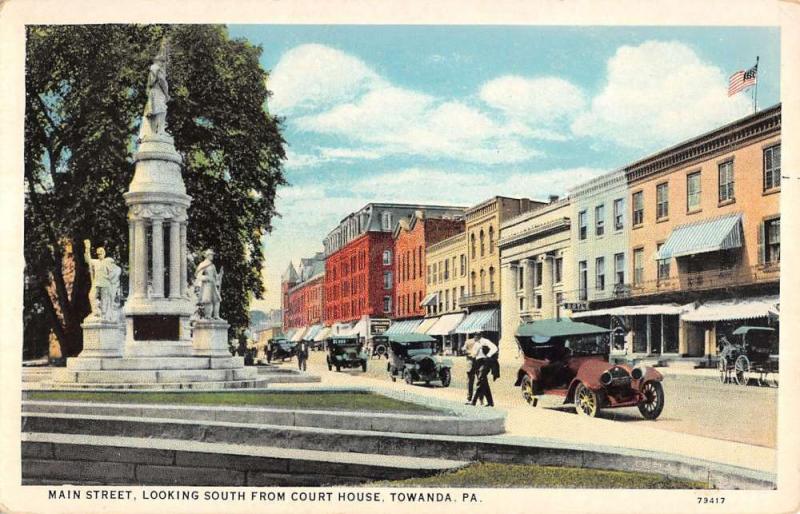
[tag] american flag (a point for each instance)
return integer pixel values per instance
(741, 80)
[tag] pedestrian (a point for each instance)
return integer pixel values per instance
(485, 360)
(302, 355)
(470, 347)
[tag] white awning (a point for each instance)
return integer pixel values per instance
(340, 329)
(446, 324)
(633, 310)
(426, 324)
(312, 332)
(430, 299)
(738, 308)
(359, 329)
(406, 326)
(297, 336)
(322, 334)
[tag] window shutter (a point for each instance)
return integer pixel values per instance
(761, 246)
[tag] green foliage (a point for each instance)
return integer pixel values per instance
(85, 92)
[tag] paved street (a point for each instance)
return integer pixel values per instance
(721, 415)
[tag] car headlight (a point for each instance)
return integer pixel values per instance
(637, 373)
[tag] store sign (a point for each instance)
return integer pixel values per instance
(378, 326)
(576, 306)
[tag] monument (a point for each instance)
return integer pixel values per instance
(168, 334)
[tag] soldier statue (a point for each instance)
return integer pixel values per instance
(155, 111)
(208, 284)
(104, 291)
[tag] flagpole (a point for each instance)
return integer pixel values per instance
(755, 93)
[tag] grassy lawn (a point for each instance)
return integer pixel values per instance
(299, 400)
(532, 476)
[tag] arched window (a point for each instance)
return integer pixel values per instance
(483, 244)
(491, 239)
(483, 281)
(491, 280)
(472, 282)
(472, 243)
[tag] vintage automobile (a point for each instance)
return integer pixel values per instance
(280, 349)
(749, 356)
(413, 357)
(379, 346)
(346, 352)
(567, 362)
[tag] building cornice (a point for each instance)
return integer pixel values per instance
(602, 183)
(543, 229)
(459, 238)
(546, 208)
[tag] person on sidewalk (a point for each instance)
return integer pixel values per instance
(302, 355)
(485, 357)
(470, 347)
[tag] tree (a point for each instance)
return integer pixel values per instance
(85, 93)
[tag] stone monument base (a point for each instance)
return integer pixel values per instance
(210, 338)
(103, 339)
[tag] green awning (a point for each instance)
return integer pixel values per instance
(411, 338)
(547, 328)
(722, 233)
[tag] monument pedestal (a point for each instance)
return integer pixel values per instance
(210, 338)
(103, 339)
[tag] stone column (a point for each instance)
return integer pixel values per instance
(131, 256)
(158, 258)
(548, 298)
(183, 257)
(175, 259)
(528, 275)
(140, 258)
(509, 313)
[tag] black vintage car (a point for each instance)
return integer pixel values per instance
(280, 349)
(346, 352)
(379, 346)
(749, 356)
(413, 357)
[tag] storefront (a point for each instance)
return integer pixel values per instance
(485, 321)
(406, 326)
(444, 329)
(640, 330)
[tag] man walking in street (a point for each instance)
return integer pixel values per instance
(302, 355)
(484, 359)
(470, 348)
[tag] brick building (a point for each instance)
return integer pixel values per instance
(304, 294)
(360, 264)
(411, 238)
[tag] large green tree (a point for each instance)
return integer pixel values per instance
(85, 93)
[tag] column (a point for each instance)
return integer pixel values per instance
(528, 275)
(183, 257)
(140, 259)
(509, 312)
(158, 258)
(174, 259)
(131, 256)
(548, 298)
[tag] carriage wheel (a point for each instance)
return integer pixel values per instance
(741, 370)
(722, 366)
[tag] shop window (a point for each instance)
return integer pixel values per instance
(693, 192)
(662, 201)
(725, 174)
(639, 326)
(772, 167)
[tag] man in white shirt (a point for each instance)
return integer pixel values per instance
(470, 348)
(484, 355)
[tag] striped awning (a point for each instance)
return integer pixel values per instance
(323, 333)
(297, 336)
(403, 327)
(633, 310)
(290, 333)
(712, 235)
(426, 324)
(430, 299)
(480, 321)
(312, 331)
(734, 309)
(446, 324)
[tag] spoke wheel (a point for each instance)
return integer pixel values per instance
(527, 391)
(741, 371)
(407, 377)
(587, 402)
(653, 402)
(723, 369)
(364, 365)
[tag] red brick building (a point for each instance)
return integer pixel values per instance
(304, 293)
(411, 238)
(360, 264)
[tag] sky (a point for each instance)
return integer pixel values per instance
(457, 114)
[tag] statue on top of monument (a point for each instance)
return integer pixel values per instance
(208, 284)
(154, 121)
(104, 291)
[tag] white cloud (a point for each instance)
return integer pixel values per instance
(659, 93)
(538, 101)
(315, 76)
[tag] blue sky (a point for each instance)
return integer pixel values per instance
(456, 114)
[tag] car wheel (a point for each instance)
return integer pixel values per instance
(338, 368)
(741, 370)
(364, 365)
(653, 402)
(587, 402)
(394, 378)
(723, 369)
(329, 364)
(445, 376)
(527, 391)
(407, 377)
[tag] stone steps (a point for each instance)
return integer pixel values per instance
(114, 460)
(151, 376)
(163, 386)
(154, 363)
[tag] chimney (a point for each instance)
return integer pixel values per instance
(553, 198)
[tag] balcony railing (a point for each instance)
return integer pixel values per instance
(478, 299)
(700, 281)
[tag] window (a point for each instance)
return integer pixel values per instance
(559, 269)
(435, 271)
(638, 266)
(693, 191)
(582, 225)
(520, 277)
(772, 239)
(491, 280)
(483, 243)
(455, 303)
(619, 268)
(638, 208)
(463, 265)
(599, 220)
(441, 270)
(600, 273)
(663, 265)
(725, 173)
(539, 266)
(429, 274)
(447, 269)
(387, 304)
(413, 265)
(662, 201)
(491, 240)
(772, 167)
(387, 279)
(472, 283)
(419, 259)
(386, 221)
(483, 281)
(414, 301)
(446, 299)
(521, 304)
(619, 212)
(472, 243)
(462, 292)
(538, 301)
(582, 281)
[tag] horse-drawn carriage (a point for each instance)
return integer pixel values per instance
(748, 357)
